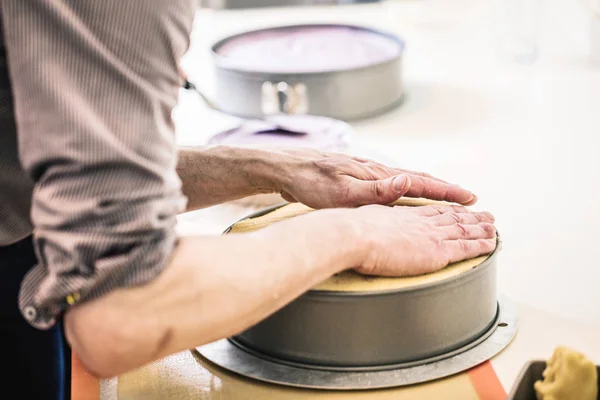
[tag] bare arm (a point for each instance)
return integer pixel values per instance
(209, 292)
(214, 175)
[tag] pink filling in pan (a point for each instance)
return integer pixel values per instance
(308, 49)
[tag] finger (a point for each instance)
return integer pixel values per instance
(436, 190)
(389, 170)
(482, 230)
(459, 250)
(421, 174)
(383, 191)
(435, 209)
(397, 171)
(289, 198)
(377, 170)
(363, 160)
(382, 169)
(466, 218)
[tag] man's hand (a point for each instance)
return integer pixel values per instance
(405, 241)
(325, 180)
(218, 174)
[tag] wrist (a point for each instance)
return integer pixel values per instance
(262, 167)
(356, 238)
(275, 168)
(344, 235)
(280, 167)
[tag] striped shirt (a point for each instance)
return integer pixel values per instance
(87, 144)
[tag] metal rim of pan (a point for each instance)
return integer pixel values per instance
(483, 336)
(223, 353)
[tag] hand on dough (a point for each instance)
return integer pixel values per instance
(326, 180)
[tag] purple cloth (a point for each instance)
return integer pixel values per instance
(288, 131)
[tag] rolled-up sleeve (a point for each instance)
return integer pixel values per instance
(94, 84)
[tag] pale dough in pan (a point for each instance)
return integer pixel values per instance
(350, 281)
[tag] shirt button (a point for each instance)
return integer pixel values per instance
(73, 298)
(30, 313)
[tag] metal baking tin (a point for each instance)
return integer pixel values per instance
(238, 4)
(379, 330)
(532, 372)
(225, 354)
(345, 94)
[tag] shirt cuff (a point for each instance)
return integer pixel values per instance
(76, 266)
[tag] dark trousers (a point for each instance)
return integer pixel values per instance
(38, 362)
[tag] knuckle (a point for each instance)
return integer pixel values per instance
(424, 210)
(437, 240)
(463, 231)
(437, 209)
(325, 165)
(465, 246)
(486, 245)
(379, 188)
(489, 229)
(458, 209)
(456, 217)
(469, 219)
(439, 222)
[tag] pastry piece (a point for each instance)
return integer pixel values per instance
(351, 281)
(569, 375)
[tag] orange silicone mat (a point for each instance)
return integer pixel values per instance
(208, 382)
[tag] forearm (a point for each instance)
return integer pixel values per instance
(213, 175)
(214, 287)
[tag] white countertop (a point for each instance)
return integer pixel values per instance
(523, 137)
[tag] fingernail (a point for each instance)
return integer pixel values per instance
(399, 183)
(473, 200)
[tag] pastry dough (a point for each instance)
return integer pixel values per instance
(350, 281)
(569, 375)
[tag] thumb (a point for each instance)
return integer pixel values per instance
(288, 197)
(383, 191)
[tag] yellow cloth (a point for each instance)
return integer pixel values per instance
(569, 375)
(348, 281)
